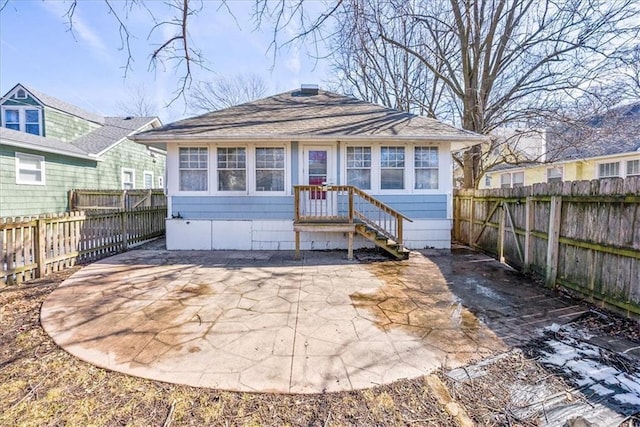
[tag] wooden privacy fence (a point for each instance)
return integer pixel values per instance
(108, 200)
(37, 246)
(582, 235)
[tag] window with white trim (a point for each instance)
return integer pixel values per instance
(29, 169)
(193, 168)
(128, 179)
(487, 180)
(426, 168)
(270, 168)
(21, 94)
(554, 174)
(24, 119)
(147, 179)
(633, 167)
(517, 180)
(359, 167)
(391, 168)
(511, 180)
(608, 170)
(232, 169)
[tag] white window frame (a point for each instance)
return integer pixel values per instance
(371, 167)
(208, 170)
(24, 94)
(600, 164)
(512, 183)
(252, 170)
(216, 171)
(20, 167)
(22, 123)
(145, 174)
(414, 168)
(515, 184)
(123, 171)
(555, 178)
(407, 184)
(626, 167)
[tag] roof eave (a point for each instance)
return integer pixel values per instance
(49, 150)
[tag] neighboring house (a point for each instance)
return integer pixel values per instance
(231, 173)
(48, 147)
(607, 146)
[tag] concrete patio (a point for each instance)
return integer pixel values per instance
(260, 321)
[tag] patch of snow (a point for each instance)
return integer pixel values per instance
(601, 390)
(628, 398)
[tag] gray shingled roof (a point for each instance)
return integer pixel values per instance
(292, 115)
(114, 130)
(57, 104)
(615, 132)
(50, 145)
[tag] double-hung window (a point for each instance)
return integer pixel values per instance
(392, 168)
(270, 168)
(426, 168)
(29, 169)
(194, 168)
(23, 119)
(633, 167)
(359, 167)
(608, 170)
(554, 174)
(232, 169)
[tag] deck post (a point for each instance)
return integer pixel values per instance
(297, 256)
(350, 248)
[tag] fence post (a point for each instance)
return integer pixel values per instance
(501, 231)
(123, 230)
(529, 213)
(472, 215)
(456, 216)
(41, 251)
(555, 216)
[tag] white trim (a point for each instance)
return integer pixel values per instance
(133, 178)
(332, 170)
(22, 120)
(626, 167)
(620, 171)
(41, 169)
(144, 179)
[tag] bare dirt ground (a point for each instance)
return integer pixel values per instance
(41, 384)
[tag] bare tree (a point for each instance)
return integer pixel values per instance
(486, 63)
(225, 91)
(138, 103)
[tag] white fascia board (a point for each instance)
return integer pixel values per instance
(129, 136)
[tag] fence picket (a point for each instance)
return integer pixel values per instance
(37, 246)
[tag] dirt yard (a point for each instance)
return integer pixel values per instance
(43, 385)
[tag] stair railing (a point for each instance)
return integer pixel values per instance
(347, 203)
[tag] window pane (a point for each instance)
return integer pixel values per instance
(270, 158)
(28, 162)
(554, 174)
(31, 116)
(193, 180)
(392, 179)
(633, 167)
(426, 179)
(33, 129)
(360, 178)
(14, 126)
(505, 180)
(11, 116)
(27, 175)
(609, 169)
(231, 180)
(426, 157)
(270, 180)
(392, 157)
(518, 179)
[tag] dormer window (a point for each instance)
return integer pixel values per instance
(21, 94)
(23, 119)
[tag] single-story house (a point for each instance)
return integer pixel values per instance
(301, 168)
(606, 146)
(48, 147)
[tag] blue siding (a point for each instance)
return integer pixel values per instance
(417, 206)
(431, 206)
(233, 207)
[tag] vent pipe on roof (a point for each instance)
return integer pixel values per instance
(307, 89)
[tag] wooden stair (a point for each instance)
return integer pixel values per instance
(382, 241)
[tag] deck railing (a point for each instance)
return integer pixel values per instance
(346, 203)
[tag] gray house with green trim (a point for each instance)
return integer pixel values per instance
(48, 147)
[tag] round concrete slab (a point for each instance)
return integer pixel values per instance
(260, 321)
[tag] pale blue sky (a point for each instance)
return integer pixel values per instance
(85, 68)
